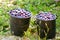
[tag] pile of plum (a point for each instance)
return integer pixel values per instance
(20, 13)
(46, 16)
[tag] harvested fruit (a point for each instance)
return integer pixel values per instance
(20, 13)
(46, 16)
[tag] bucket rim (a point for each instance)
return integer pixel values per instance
(45, 20)
(19, 17)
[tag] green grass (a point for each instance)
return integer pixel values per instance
(31, 5)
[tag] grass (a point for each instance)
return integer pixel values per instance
(31, 5)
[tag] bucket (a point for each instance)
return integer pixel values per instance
(46, 28)
(18, 25)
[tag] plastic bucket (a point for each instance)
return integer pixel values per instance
(46, 28)
(19, 25)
